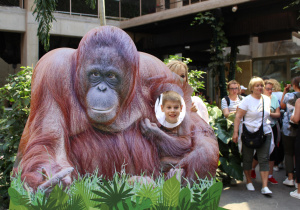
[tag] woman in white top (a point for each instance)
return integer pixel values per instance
(198, 106)
(233, 99)
(251, 109)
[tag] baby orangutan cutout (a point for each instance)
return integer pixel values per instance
(94, 108)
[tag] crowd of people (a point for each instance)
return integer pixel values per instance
(267, 111)
(262, 109)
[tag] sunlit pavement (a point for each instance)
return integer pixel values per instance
(239, 198)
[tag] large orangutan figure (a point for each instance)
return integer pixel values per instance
(94, 108)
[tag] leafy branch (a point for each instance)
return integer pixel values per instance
(294, 3)
(44, 16)
(218, 43)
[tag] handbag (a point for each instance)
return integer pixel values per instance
(256, 139)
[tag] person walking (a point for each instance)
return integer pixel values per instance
(255, 109)
(296, 118)
(274, 115)
(288, 131)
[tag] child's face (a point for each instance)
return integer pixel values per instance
(172, 111)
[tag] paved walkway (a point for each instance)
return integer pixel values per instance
(239, 198)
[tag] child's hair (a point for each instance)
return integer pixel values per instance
(175, 65)
(171, 96)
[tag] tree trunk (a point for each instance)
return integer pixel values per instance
(232, 64)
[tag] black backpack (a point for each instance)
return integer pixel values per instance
(228, 99)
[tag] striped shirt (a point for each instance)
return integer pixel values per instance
(232, 106)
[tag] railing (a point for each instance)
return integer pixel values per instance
(12, 3)
(120, 9)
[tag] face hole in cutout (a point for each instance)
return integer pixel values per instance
(170, 109)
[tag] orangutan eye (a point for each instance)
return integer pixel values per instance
(95, 74)
(111, 76)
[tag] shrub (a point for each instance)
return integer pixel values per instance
(230, 158)
(16, 95)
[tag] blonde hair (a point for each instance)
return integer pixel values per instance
(254, 81)
(269, 82)
(232, 82)
(175, 65)
(171, 96)
(276, 85)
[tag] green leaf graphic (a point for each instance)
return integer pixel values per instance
(76, 203)
(59, 195)
(12, 206)
(171, 190)
(147, 191)
(211, 198)
(185, 198)
(139, 205)
(112, 196)
(16, 198)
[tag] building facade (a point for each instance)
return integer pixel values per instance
(265, 33)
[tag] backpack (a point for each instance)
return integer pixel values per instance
(228, 100)
(293, 125)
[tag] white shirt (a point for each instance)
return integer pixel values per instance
(232, 106)
(253, 116)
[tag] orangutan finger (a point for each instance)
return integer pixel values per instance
(56, 179)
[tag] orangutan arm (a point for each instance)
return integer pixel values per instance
(167, 144)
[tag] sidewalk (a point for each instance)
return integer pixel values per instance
(239, 198)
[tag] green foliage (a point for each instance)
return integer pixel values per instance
(185, 197)
(294, 3)
(118, 194)
(12, 122)
(176, 57)
(111, 195)
(44, 15)
(194, 76)
(230, 159)
(218, 43)
(91, 3)
(211, 199)
(171, 191)
(83, 188)
(149, 192)
(139, 205)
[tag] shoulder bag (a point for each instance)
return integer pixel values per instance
(256, 139)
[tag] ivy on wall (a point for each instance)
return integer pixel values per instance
(218, 43)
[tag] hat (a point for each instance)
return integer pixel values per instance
(243, 87)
